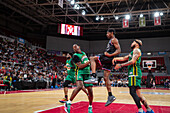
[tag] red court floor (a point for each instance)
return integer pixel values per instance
(98, 107)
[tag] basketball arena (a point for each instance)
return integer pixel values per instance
(84, 56)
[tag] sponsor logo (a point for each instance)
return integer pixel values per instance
(83, 57)
(132, 75)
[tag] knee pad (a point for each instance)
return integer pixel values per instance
(132, 91)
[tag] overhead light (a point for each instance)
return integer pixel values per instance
(97, 18)
(72, 2)
(116, 17)
(148, 53)
(161, 14)
(76, 6)
(127, 17)
(102, 18)
(156, 14)
(83, 12)
(141, 15)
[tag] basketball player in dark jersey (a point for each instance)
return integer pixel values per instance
(105, 60)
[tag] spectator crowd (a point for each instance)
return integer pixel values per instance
(18, 63)
(22, 63)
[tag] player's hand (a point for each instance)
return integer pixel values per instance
(117, 66)
(107, 54)
(114, 61)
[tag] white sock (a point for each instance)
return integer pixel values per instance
(149, 109)
(90, 105)
(69, 101)
(141, 110)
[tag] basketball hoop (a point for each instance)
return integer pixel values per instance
(149, 64)
(149, 67)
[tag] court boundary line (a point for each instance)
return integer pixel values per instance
(41, 90)
(55, 107)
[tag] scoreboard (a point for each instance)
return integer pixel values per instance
(71, 30)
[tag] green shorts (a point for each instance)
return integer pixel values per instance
(134, 81)
(71, 78)
(83, 77)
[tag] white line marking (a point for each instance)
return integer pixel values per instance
(52, 108)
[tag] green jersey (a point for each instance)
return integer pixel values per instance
(82, 57)
(134, 72)
(70, 67)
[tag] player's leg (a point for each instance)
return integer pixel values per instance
(107, 80)
(74, 93)
(111, 98)
(144, 102)
(136, 98)
(90, 92)
(90, 97)
(65, 85)
(93, 63)
(85, 91)
(93, 79)
(76, 90)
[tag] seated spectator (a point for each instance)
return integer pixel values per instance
(102, 82)
(166, 83)
(115, 83)
(8, 80)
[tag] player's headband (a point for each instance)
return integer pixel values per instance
(138, 43)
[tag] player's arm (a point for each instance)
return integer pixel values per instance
(136, 55)
(120, 59)
(77, 61)
(115, 42)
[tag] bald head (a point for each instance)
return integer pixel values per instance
(136, 44)
(139, 42)
(76, 48)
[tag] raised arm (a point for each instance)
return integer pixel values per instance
(136, 55)
(120, 59)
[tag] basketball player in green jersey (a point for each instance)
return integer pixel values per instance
(71, 74)
(81, 60)
(134, 75)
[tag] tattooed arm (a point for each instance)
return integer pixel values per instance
(120, 59)
(136, 55)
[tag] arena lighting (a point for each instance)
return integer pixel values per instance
(97, 18)
(72, 2)
(116, 17)
(102, 18)
(83, 12)
(127, 17)
(161, 14)
(76, 6)
(148, 53)
(141, 15)
(156, 14)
